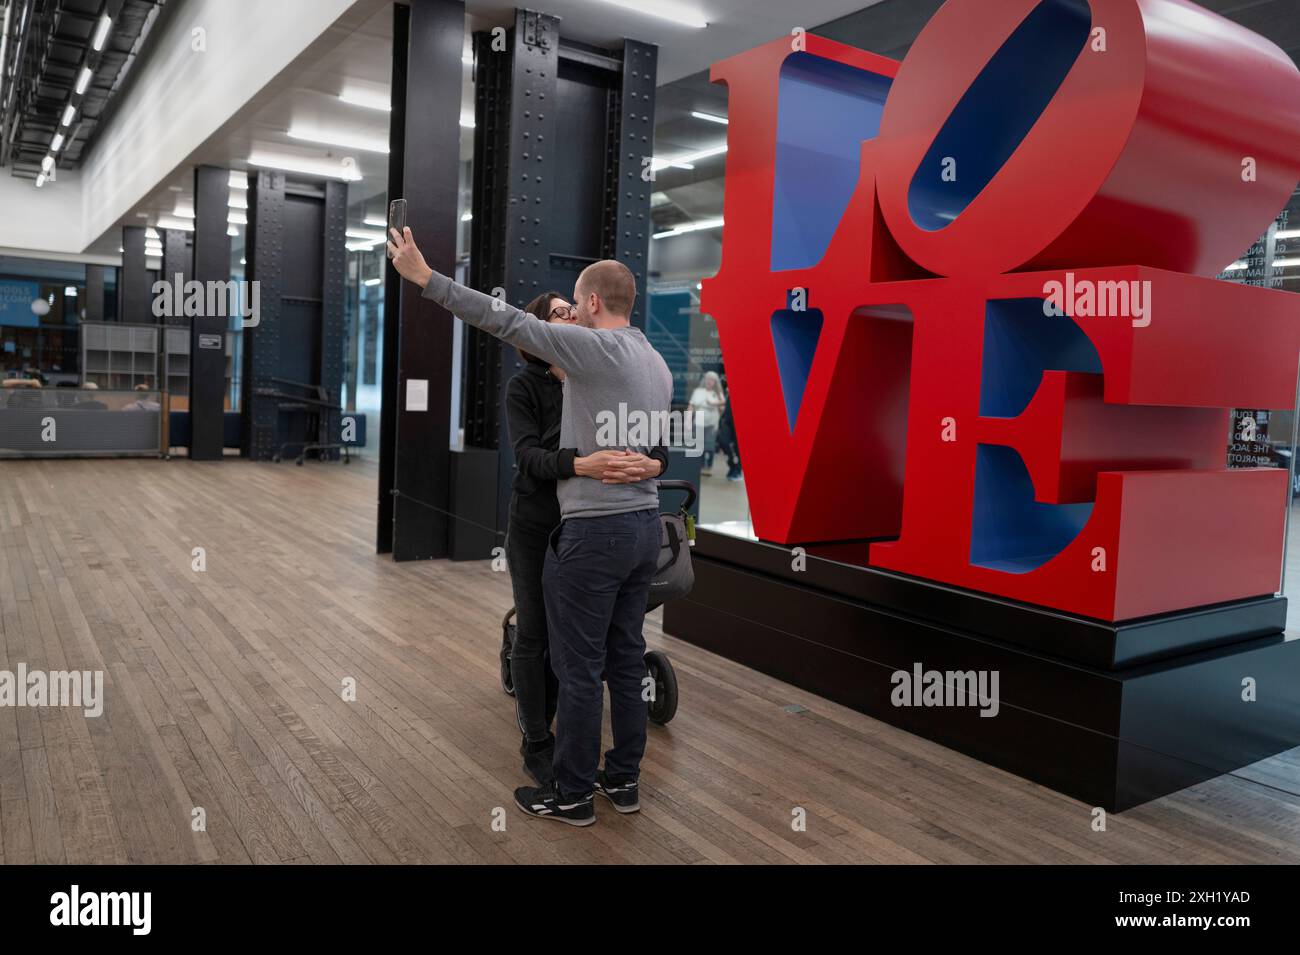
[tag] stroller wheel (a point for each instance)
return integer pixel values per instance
(664, 705)
(507, 645)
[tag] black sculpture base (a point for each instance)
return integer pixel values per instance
(1111, 714)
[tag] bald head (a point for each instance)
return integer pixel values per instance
(605, 293)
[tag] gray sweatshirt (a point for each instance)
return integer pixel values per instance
(617, 390)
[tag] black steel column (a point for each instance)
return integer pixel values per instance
(632, 125)
(176, 260)
(94, 293)
(136, 297)
(208, 335)
(334, 297)
(428, 38)
(264, 253)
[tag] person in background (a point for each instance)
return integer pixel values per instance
(707, 402)
(727, 439)
(534, 402)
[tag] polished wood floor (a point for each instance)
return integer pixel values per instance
(224, 692)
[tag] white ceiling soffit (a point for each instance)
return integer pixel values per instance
(207, 61)
(733, 25)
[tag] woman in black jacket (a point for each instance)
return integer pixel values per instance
(534, 398)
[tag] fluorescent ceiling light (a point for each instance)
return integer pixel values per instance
(343, 140)
(687, 160)
(379, 221)
(40, 180)
(238, 179)
(237, 200)
(362, 245)
(369, 100)
(183, 212)
(709, 117)
(69, 114)
(47, 163)
(467, 120)
(690, 227)
(83, 80)
(152, 233)
(232, 231)
(680, 14)
(170, 222)
(101, 33)
(56, 143)
(1235, 266)
(70, 291)
(310, 167)
(467, 217)
(1288, 234)
(373, 282)
(365, 234)
(1285, 263)
(236, 218)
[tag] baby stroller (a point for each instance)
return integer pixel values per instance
(673, 578)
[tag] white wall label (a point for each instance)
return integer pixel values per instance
(417, 394)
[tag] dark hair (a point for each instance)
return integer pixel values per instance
(539, 307)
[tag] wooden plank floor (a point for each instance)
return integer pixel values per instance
(224, 691)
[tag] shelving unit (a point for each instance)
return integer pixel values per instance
(118, 357)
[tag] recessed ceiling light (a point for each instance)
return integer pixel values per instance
(690, 227)
(678, 13)
(368, 99)
(238, 179)
(183, 212)
(310, 167)
(341, 140)
(151, 233)
(232, 231)
(171, 222)
(237, 200)
(236, 218)
(373, 282)
(101, 32)
(687, 160)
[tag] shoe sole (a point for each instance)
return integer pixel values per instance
(625, 810)
(572, 822)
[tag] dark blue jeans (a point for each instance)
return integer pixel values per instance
(597, 582)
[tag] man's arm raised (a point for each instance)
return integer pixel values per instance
(571, 347)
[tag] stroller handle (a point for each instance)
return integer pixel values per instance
(685, 486)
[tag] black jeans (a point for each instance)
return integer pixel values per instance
(597, 582)
(535, 684)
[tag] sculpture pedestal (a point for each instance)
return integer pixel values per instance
(1111, 714)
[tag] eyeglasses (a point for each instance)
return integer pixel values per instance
(562, 312)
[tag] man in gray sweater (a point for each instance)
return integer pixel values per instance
(617, 394)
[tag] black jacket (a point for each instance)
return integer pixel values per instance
(534, 398)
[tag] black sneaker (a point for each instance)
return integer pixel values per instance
(545, 803)
(623, 794)
(538, 759)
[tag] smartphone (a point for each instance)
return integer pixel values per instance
(396, 216)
